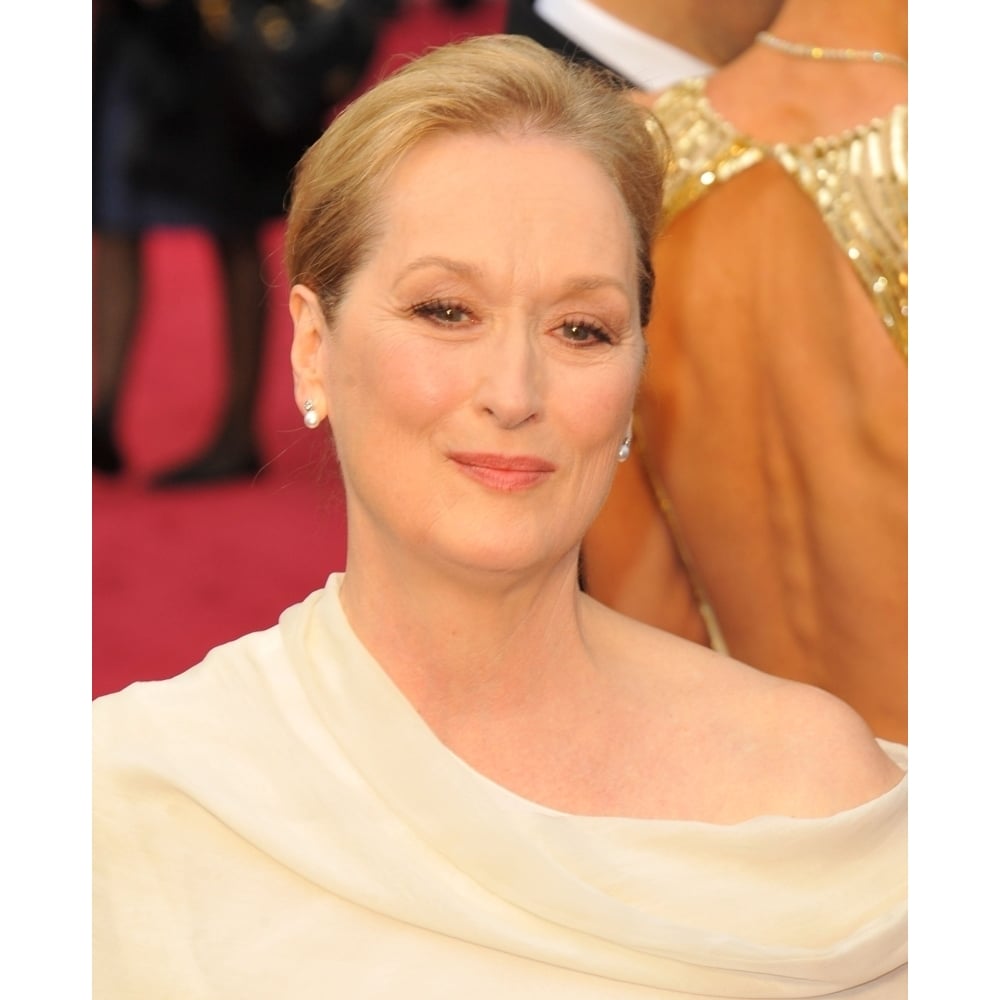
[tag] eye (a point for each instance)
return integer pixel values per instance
(442, 311)
(582, 333)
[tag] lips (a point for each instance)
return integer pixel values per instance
(503, 472)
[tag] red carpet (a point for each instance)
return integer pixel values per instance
(176, 573)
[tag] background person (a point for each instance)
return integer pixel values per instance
(201, 111)
(767, 514)
(449, 772)
(649, 45)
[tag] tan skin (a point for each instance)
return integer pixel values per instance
(714, 31)
(467, 595)
(775, 403)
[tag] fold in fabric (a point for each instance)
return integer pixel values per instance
(279, 821)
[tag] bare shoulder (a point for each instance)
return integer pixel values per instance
(826, 759)
(765, 744)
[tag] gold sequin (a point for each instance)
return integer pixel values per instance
(858, 181)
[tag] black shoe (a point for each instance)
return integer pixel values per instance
(105, 456)
(212, 467)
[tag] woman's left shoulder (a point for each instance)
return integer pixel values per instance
(803, 751)
(779, 746)
(824, 753)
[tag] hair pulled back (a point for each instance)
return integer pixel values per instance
(492, 85)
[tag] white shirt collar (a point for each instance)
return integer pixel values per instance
(646, 62)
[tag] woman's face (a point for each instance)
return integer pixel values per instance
(480, 372)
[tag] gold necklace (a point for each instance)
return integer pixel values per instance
(817, 52)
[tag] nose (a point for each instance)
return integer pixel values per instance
(510, 382)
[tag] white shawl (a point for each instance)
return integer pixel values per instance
(279, 822)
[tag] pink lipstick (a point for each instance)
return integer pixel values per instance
(506, 473)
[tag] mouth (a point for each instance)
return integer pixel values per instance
(507, 473)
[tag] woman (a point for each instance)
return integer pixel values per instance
(771, 488)
(450, 773)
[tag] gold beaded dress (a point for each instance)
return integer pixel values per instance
(857, 180)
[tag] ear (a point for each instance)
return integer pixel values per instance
(309, 329)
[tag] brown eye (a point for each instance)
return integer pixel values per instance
(584, 333)
(442, 312)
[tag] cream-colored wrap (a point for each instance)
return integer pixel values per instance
(278, 822)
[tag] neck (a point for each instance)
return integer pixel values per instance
(879, 25)
(454, 640)
(714, 31)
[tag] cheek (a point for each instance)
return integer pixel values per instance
(406, 382)
(601, 410)
(425, 377)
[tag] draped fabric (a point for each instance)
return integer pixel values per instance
(279, 821)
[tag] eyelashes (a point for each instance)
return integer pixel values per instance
(576, 332)
(446, 312)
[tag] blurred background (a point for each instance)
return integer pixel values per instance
(179, 570)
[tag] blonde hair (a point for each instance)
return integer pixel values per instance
(493, 84)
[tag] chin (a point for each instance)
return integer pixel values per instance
(501, 557)
(491, 540)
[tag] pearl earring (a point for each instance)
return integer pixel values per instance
(625, 449)
(310, 418)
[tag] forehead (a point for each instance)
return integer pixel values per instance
(485, 194)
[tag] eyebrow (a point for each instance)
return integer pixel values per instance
(455, 266)
(583, 283)
(595, 282)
